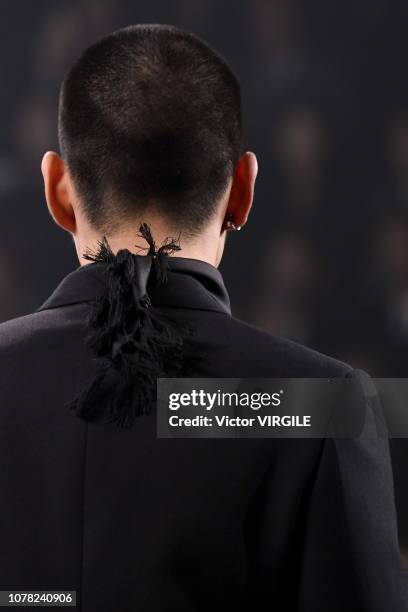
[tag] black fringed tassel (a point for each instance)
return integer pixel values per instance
(135, 345)
(159, 256)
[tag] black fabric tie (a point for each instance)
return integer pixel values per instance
(133, 343)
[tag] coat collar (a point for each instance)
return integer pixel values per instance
(192, 284)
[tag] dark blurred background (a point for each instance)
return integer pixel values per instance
(325, 97)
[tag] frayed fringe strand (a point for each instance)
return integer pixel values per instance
(134, 344)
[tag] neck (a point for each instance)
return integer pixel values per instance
(206, 246)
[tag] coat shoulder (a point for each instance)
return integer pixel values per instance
(288, 358)
(36, 329)
(18, 330)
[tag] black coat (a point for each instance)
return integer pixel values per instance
(136, 523)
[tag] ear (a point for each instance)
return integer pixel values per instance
(242, 191)
(58, 191)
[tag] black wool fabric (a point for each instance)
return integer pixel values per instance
(133, 522)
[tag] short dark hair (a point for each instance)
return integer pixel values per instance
(150, 118)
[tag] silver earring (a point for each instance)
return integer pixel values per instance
(230, 225)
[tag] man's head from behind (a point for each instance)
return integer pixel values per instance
(149, 130)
